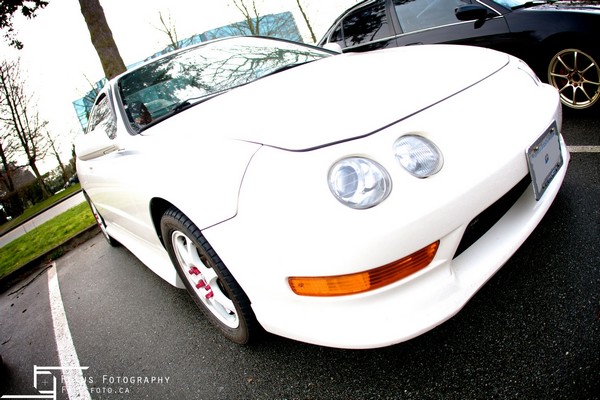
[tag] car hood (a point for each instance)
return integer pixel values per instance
(567, 6)
(341, 97)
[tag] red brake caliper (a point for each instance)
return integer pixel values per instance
(201, 283)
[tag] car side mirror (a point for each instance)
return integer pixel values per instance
(331, 46)
(471, 12)
(94, 144)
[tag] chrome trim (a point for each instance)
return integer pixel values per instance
(442, 26)
(491, 8)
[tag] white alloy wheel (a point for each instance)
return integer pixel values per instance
(203, 280)
(207, 279)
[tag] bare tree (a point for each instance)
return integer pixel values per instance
(280, 25)
(310, 29)
(102, 38)
(20, 119)
(168, 28)
(251, 16)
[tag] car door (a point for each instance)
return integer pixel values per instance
(105, 175)
(435, 21)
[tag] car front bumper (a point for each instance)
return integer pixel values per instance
(280, 231)
(392, 314)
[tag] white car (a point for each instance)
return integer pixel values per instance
(353, 200)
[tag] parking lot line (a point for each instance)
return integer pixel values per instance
(584, 149)
(73, 380)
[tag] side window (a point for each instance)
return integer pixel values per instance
(337, 37)
(415, 15)
(103, 118)
(366, 25)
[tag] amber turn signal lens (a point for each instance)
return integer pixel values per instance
(341, 285)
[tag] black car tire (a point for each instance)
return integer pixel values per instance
(207, 279)
(575, 72)
(100, 222)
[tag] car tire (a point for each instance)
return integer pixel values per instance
(207, 279)
(575, 72)
(100, 222)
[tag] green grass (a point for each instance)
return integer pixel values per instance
(39, 207)
(44, 238)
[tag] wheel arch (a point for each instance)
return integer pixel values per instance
(562, 40)
(158, 206)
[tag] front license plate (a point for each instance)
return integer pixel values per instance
(545, 159)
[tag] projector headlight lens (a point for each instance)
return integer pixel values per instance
(359, 183)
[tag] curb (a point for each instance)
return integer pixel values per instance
(50, 255)
(12, 228)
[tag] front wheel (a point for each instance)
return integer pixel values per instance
(576, 75)
(207, 279)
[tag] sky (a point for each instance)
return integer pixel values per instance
(59, 60)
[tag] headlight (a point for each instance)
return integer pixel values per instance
(419, 156)
(359, 182)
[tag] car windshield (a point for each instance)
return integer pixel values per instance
(172, 83)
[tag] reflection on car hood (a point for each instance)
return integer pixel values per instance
(341, 97)
(568, 6)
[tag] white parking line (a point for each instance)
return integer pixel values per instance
(584, 149)
(73, 380)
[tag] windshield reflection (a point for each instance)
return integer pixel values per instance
(516, 3)
(172, 83)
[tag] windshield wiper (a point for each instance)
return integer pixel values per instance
(532, 4)
(185, 104)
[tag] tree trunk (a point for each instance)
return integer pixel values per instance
(310, 29)
(6, 155)
(6, 173)
(102, 38)
(40, 180)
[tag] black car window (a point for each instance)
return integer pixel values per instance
(336, 36)
(415, 15)
(102, 117)
(366, 25)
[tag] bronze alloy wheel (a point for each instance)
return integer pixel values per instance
(576, 75)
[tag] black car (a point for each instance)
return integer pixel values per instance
(560, 40)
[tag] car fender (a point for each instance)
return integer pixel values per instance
(211, 186)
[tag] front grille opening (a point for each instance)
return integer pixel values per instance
(488, 218)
